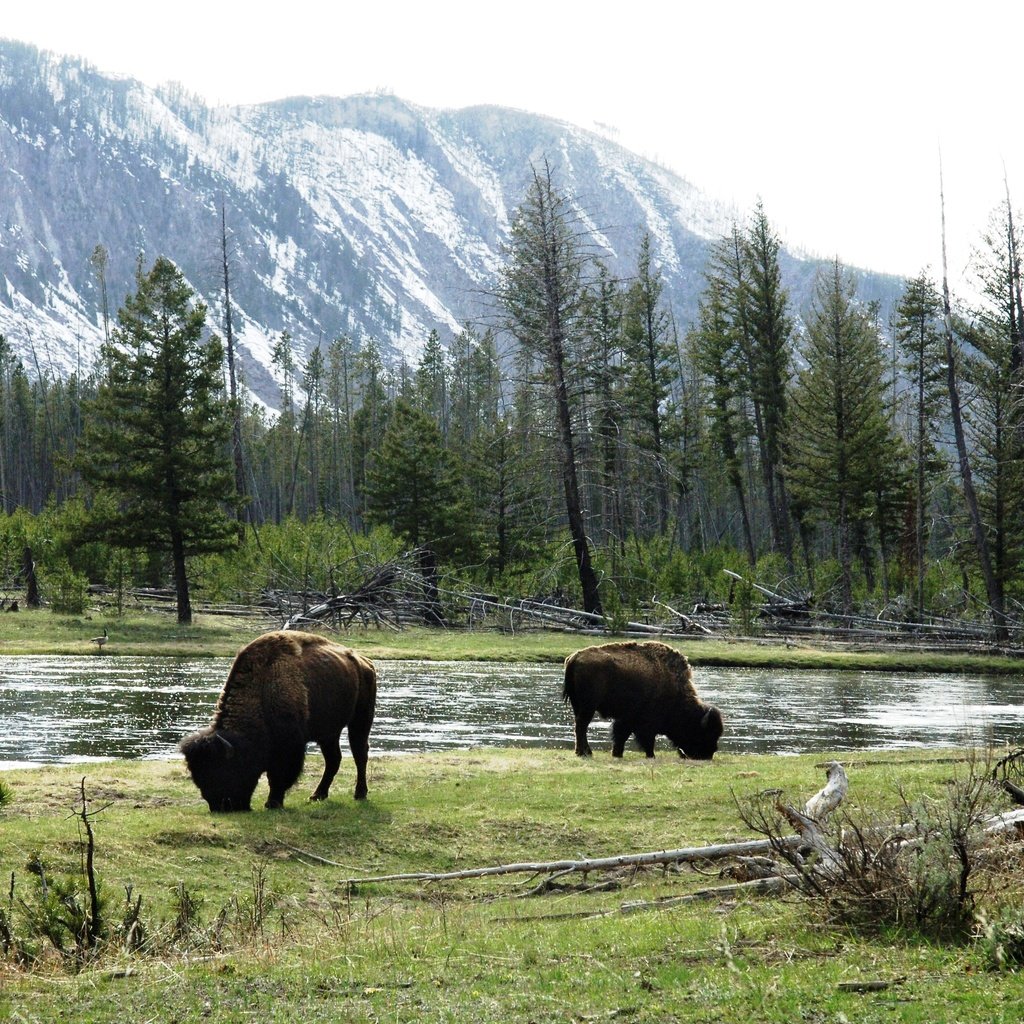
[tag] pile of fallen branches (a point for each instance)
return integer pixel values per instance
(918, 871)
(409, 590)
(391, 595)
(404, 591)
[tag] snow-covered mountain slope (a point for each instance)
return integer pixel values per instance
(366, 216)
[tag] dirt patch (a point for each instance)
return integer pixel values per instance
(190, 837)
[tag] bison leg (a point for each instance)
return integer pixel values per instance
(359, 744)
(646, 742)
(583, 720)
(283, 771)
(360, 754)
(332, 762)
(620, 733)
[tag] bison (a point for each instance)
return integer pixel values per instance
(285, 689)
(647, 690)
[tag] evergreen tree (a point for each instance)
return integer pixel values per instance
(431, 383)
(414, 486)
(767, 331)
(157, 440)
(919, 336)
(648, 357)
(995, 416)
(840, 435)
(340, 491)
(716, 350)
(370, 417)
(604, 373)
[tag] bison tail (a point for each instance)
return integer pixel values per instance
(569, 686)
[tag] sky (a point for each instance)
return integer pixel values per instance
(836, 116)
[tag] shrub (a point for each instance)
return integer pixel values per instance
(918, 874)
(65, 589)
(1002, 940)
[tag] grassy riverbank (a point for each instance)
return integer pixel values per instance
(249, 916)
(157, 634)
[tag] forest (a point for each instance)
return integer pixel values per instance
(579, 447)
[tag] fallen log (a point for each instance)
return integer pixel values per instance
(685, 619)
(815, 813)
(689, 854)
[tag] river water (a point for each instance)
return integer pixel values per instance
(77, 709)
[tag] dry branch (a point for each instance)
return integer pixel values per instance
(689, 854)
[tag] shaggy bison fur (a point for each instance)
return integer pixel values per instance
(284, 690)
(647, 690)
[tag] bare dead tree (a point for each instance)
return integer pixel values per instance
(992, 587)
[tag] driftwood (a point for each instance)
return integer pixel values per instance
(1008, 772)
(685, 620)
(690, 854)
(815, 812)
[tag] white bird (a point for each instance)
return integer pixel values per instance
(99, 641)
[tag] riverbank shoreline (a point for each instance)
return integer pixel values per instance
(154, 634)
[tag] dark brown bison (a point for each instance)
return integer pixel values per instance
(284, 690)
(647, 690)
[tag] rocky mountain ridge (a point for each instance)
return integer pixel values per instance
(367, 216)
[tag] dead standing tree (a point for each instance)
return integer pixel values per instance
(541, 291)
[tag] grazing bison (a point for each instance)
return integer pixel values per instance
(647, 690)
(285, 689)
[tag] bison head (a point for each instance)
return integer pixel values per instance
(699, 739)
(220, 767)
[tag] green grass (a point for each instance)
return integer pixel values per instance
(157, 633)
(281, 937)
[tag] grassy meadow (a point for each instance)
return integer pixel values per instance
(252, 916)
(255, 916)
(210, 635)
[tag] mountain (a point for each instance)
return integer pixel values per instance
(367, 216)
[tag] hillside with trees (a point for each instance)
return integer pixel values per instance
(581, 448)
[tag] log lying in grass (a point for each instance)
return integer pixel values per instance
(689, 854)
(815, 812)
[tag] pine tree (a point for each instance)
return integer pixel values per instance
(840, 435)
(648, 356)
(767, 335)
(157, 440)
(414, 486)
(340, 472)
(716, 350)
(995, 417)
(431, 383)
(919, 336)
(604, 373)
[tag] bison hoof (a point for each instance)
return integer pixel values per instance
(274, 805)
(317, 796)
(585, 753)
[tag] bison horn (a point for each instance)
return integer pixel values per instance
(706, 720)
(230, 751)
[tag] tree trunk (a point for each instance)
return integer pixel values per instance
(180, 578)
(992, 587)
(31, 583)
(229, 341)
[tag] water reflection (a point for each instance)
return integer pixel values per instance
(70, 709)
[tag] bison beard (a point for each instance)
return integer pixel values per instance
(284, 690)
(647, 690)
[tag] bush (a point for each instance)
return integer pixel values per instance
(65, 590)
(1002, 940)
(918, 874)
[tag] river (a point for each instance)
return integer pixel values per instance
(77, 709)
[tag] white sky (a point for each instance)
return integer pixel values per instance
(833, 113)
